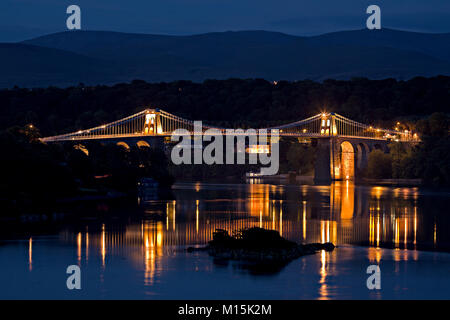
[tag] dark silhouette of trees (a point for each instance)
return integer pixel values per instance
(379, 165)
(233, 102)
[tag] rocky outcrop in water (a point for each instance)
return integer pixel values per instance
(258, 245)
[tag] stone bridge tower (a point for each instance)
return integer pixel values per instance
(341, 157)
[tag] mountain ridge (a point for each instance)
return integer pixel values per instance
(119, 57)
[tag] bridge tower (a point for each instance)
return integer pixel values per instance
(325, 163)
(153, 122)
(335, 158)
(342, 153)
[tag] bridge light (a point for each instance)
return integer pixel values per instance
(149, 123)
(304, 130)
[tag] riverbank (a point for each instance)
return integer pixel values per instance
(309, 179)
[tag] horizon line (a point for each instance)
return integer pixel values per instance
(227, 31)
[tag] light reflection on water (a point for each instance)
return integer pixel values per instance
(341, 214)
(377, 217)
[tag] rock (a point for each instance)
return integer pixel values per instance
(258, 245)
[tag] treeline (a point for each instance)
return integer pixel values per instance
(233, 102)
(429, 160)
(36, 175)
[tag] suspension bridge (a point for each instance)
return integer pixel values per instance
(343, 144)
(156, 122)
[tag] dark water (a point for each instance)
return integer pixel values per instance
(403, 230)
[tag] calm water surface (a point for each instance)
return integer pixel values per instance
(404, 230)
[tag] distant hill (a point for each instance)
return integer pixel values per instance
(436, 45)
(29, 65)
(95, 57)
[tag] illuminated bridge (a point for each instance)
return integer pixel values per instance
(343, 144)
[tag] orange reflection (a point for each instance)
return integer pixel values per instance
(103, 246)
(415, 226)
(347, 200)
(374, 254)
(323, 290)
(79, 248)
(434, 234)
(87, 246)
(328, 231)
(281, 219)
(304, 220)
(196, 216)
(30, 254)
(378, 231)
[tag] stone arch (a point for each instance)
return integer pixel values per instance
(123, 144)
(347, 159)
(362, 155)
(143, 144)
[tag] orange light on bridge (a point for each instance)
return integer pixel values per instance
(149, 123)
(261, 148)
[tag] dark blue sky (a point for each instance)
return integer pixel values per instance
(20, 19)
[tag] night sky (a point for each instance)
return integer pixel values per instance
(22, 19)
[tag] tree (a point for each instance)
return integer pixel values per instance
(380, 165)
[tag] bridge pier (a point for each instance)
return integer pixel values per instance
(322, 172)
(343, 158)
